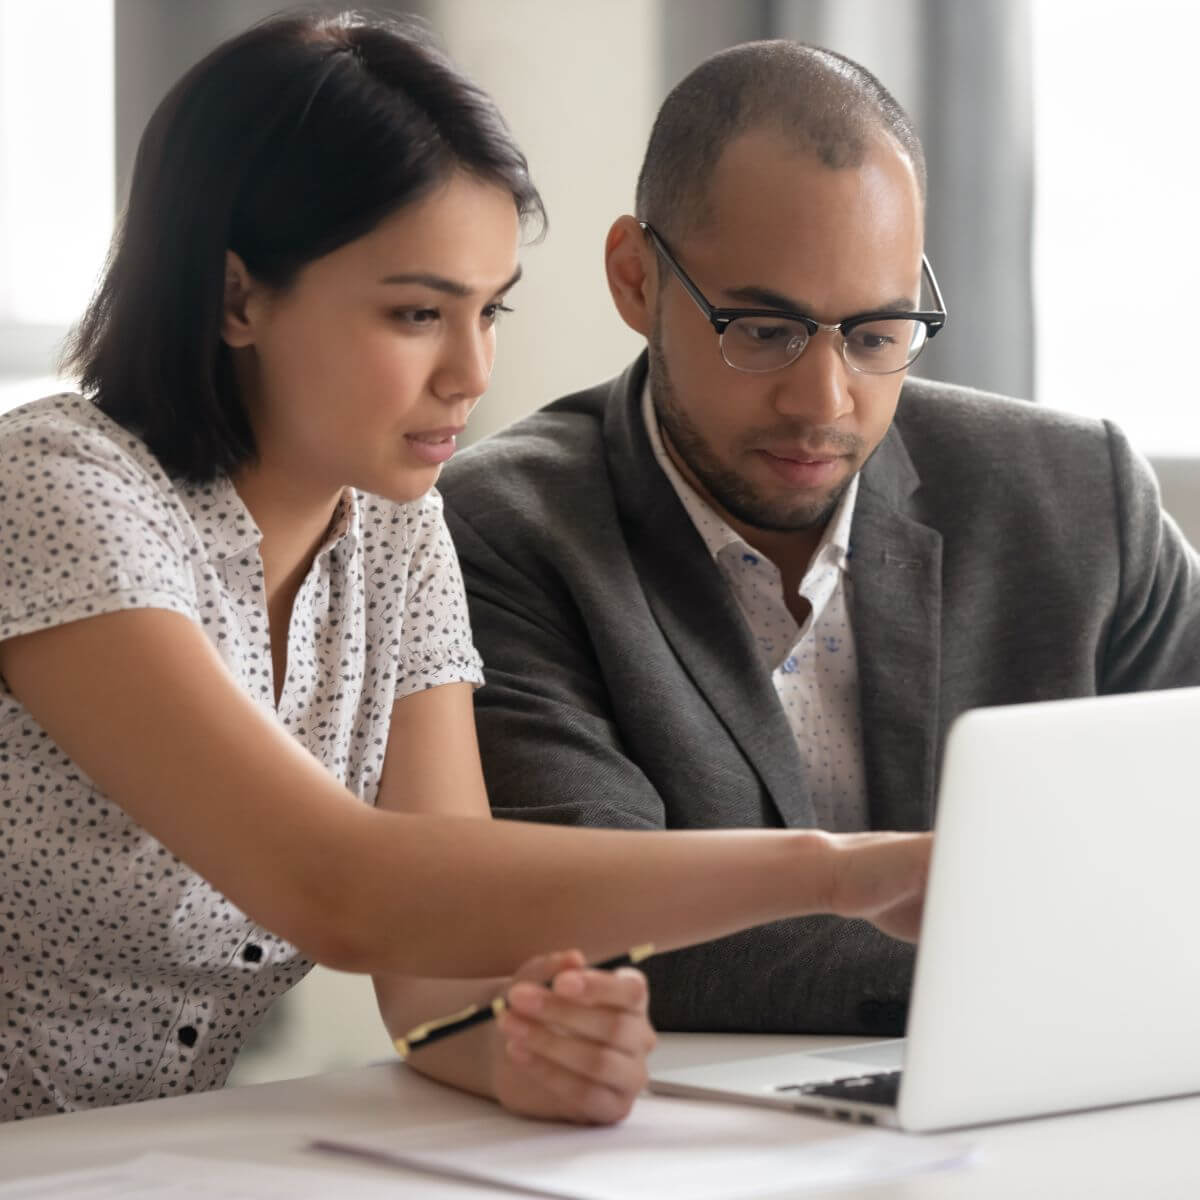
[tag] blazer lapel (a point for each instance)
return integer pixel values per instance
(896, 582)
(895, 600)
(694, 608)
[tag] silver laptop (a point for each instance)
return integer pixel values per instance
(1059, 961)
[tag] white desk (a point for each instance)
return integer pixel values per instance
(1139, 1152)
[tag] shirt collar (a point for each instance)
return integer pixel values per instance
(345, 529)
(716, 532)
(226, 528)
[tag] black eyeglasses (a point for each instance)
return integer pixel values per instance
(767, 339)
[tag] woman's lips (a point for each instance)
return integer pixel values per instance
(434, 447)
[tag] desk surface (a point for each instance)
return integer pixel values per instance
(1145, 1151)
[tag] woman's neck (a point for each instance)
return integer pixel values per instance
(294, 520)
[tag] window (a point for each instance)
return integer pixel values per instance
(56, 176)
(1117, 252)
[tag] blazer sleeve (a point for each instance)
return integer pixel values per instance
(1154, 637)
(552, 752)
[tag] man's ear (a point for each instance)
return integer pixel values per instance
(240, 303)
(632, 269)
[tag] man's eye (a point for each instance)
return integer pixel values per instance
(760, 333)
(767, 333)
(875, 341)
(881, 336)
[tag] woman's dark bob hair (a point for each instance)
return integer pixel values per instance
(283, 144)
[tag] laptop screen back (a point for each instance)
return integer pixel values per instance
(1059, 962)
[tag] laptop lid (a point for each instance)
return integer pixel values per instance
(1059, 963)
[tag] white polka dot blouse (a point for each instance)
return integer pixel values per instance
(123, 975)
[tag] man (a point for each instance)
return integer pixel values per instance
(754, 579)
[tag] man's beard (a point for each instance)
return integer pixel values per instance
(734, 494)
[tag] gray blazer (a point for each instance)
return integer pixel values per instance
(1001, 552)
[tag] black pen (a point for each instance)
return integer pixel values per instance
(434, 1031)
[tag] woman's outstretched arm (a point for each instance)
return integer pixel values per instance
(142, 703)
(575, 1050)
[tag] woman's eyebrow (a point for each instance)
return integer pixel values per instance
(452, 287)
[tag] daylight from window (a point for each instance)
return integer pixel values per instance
(1116, 255)
(56, 174)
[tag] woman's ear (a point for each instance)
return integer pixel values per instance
(632, 268)
(240, 303)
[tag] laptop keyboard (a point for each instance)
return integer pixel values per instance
(878, 1087)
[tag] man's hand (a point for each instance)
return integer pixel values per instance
(574, 1050)
(881, 878)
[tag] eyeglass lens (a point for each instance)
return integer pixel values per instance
(768, 343)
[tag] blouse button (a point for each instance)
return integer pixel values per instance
(252, 953)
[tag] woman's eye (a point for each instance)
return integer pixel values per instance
(415, 316)
(491, 312)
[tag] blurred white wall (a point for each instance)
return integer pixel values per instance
(579, 85)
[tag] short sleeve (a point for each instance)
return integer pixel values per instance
(435, 645)
(87, 527)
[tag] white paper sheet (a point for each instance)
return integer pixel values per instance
(180, 1177)
(666, 1147)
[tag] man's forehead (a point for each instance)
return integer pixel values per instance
(835, 239)
(763, 170)
(769, 144)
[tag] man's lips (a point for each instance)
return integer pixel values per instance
(801, 468)
(802, 457)
(803, 454)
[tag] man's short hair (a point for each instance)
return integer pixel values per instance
(822, 101)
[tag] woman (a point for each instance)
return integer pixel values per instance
(230, 613)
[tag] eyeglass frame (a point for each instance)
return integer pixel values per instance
(721, 318)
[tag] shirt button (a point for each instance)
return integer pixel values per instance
(789, 665)
(252, 953)
(187, 1035)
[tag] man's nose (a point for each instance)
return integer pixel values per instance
(816, 387)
